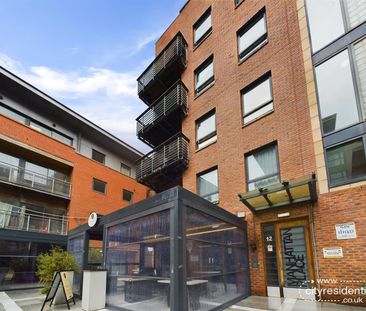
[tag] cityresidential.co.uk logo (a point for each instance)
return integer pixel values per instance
(353, 291)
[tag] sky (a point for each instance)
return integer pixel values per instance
(87, 54)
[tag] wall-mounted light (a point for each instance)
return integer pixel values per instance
(282, 215)
(240, 214)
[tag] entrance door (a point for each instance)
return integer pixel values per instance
(289, 270)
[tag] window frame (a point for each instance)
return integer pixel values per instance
(102, 181)
(27, 121)
(362, 138)
(355, 82)
(126, 166)
(201, 119)
(130, 193)
(257, 44)
(211, 169)
(96, 152)
(246, 155)
(198, 23)
(250, 87)
(209, 81)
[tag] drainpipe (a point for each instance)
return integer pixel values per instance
(317, 270)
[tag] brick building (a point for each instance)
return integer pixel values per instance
(266, 100)
(56, 168)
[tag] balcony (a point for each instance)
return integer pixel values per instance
(19, 218)
(163, 71)
(21, 177)
(163, 119)
(162, 165)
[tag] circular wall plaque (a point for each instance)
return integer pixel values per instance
(92, 220)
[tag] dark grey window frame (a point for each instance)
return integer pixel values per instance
(251, 86)
(201, 67)
(246, 155)
(198, 23)
(346, 26)
(102, 181)
(355, 131)
(256, 45)
(124, 191)
(98, 153)
(210, 135)
(28, 121)
(349, 181)
(126, 167)
(355, 88)
(211, 169)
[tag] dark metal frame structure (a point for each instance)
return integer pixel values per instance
(177, 200)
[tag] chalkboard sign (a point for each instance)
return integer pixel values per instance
(60, 278)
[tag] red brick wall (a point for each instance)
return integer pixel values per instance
(289, 125)
(83, 199)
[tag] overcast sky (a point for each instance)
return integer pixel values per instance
(86, 53)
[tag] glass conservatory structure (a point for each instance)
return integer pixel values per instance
(174, 251)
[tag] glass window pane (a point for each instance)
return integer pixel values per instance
(62, 138)
(251, 35)
(98, 156)
(263, 168)
(202, 28)
(208, 186)
(360, 59)
(40, 128)
(206, 127)
(255, 98)
(138, 263)
(356, 11)
(336, 92)
(346, 162)
(127, 195)
(99, 185)
(126, 170)
(217, 259)
(260, 112)
(325, 22)
(12, 114)
(204, 75)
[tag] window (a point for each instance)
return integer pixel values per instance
(34, 124)
(206, 130)
(336, 91)
(12, 114)
(208, 185)
(99, 186)
(127, 195)
(262, 168)
(257, 99)
(202, 28)
(346, 163)
(252, 35)
(98, 156)
(125, 170)
(204, 75)
(330, 19)
(237, 2)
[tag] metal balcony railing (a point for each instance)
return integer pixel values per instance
(18, 218)
(172, 153)
(174, 98)
(176, 48)
(26, 178)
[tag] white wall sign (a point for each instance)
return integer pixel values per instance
(333, 252)
(92, 220)
(346, 231)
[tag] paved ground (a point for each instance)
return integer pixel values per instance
(32, 300)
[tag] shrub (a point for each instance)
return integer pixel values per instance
(56, 259)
